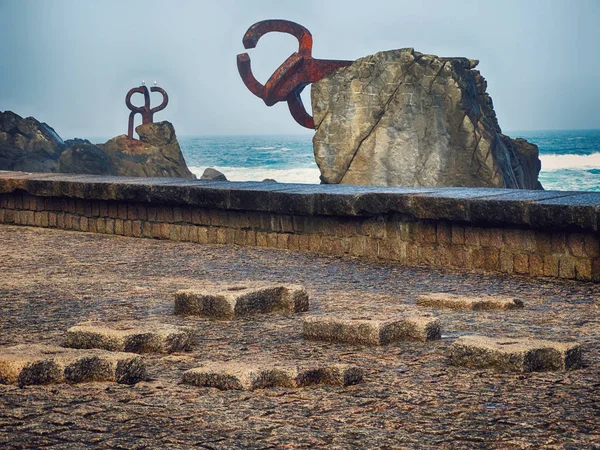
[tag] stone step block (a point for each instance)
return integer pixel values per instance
(475, 303)
(128, 336)
(229, 302)
(257, 375)
(514, 355)
(346, 329)
(33, 364)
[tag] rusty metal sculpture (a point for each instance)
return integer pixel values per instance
(146, 112)
(296, 72)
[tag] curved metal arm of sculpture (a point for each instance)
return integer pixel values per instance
(291, 77)
(259, 29)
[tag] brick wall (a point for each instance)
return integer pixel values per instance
(389, 236)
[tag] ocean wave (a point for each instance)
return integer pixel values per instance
(557, 162)
(308, 175)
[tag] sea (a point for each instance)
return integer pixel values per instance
(570, 158)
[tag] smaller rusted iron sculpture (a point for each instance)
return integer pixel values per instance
(296, 72)
(146, 112)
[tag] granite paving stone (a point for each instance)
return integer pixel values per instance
(259, 375)
(473, 302)
(344, 328)
(242, 299)
(516, 355)
(129, 336)
(31, 364)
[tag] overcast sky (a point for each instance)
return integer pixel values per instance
(71, 62)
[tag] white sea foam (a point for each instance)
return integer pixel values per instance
(308, 175)
(557, 162)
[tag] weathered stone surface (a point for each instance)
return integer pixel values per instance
(453, 301)
(129, 336)
(81, 156)
(155, 154)
(402, 118)
(43, 364)
(213, 174)
(370, 331)
(259, 375)
(27, 144)
(514, 355)
(409, 389)
(241, 300)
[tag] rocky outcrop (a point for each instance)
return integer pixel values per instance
(27, 144)
(81, 156)
(213, 175)
(31, 146)
(402, 118)
(155, 154)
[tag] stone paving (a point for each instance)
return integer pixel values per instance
(518, 355)
(410, 397)
(344, 328)
(475, 303)
(239, 300)
(128, 336)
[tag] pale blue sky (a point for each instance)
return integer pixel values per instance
(71, 62)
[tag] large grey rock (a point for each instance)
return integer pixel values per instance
(514, 355)
(213, 175)
(155, 154)
(44, 364)
(370, 330)
(246, 375)
(402, 118)
(128, 336)
(28, 145)
(238, 300)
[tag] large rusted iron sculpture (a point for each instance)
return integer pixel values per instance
(296, 72)
(146, 112)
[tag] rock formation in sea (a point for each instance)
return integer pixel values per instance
(81, 156)
(27, 144)
(31, 146)
(155, 154)
(403, 118)
(213, 175)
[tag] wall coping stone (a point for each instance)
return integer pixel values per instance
(546, 210)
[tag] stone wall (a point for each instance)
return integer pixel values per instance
(532, 233)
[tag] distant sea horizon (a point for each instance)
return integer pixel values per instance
(570, 158)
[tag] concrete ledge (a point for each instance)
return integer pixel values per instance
(478, 206)
(130, 337)
(259, 375)
(370, 331)
(514, 355)
(242, 299)
(532, 233)
(42, 364)
(475, 303)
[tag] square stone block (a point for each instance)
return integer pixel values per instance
(514, 355)
(245, 375)
(475, 303)
(229, 302)
(35, 364)
(370, 330)
(131, 337)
